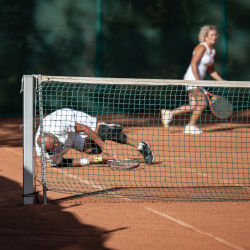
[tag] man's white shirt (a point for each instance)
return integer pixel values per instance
(62, 124)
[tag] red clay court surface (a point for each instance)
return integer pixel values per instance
(109, 223)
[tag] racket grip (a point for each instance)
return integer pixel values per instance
(203, 90)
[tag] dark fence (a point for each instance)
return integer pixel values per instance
(115, 38)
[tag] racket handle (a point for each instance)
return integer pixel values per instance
(204, 90)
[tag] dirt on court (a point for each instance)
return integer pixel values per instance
(73, 222)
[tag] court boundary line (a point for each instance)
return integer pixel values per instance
(185, 169)
(11, 150)
(211, 177)
(179, 222)
(188, 226)
(100, 188)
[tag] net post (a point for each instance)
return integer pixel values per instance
(28, 82)
(41, 113)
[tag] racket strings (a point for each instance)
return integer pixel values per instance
(221, 107)
(123, 164)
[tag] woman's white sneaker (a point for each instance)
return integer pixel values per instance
(191, 129)
(166, 117)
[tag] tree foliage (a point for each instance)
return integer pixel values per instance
(140, 38)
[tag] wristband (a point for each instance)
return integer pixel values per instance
(84, 161)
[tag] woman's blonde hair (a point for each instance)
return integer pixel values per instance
(204, 32)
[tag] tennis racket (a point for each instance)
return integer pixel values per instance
(126, 164)
(219, 105)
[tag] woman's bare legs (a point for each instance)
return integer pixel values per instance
(197, 104)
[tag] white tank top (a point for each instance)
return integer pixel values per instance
(206, 61)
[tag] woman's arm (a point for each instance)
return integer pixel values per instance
(213, 73)
(216, 76)
(198, 53)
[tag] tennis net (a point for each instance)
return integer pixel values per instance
(210, 166)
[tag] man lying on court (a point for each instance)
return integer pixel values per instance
(67, 129)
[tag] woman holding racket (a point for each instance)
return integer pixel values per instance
(201, 62)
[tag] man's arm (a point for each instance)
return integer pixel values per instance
(69, 162)
(95, 137)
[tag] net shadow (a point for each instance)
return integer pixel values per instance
(189, 193)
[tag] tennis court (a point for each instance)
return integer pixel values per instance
(186, 167)
(76, 222)
(129, 60)
(194, 196)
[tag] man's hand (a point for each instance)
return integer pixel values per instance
(95, 137)
(106, 149)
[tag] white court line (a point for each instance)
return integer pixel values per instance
(179, 222)
(194, 229)
(100, 188)
(211, 157)
(209, 176)
(12, 150)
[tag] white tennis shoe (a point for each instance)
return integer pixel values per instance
(191, 129)
(166, 117)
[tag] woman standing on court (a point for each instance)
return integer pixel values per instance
(202, 60)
